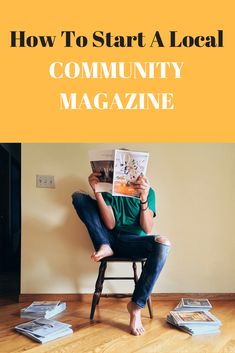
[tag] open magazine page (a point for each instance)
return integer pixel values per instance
(128, 165)
(102, 162)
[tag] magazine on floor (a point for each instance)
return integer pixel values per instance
(42, 309)
(191, 304)
(119, 169)
(44, 330)
(194, 329)
(194, 317)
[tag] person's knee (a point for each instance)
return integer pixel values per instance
(162, 240)
(75, 196)
(77, 199)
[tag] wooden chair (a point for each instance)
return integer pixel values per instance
(101, 278)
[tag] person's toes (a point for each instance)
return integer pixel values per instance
(134, 332)
(94, 257)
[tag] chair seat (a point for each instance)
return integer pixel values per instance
(101, 278)
(122, 259)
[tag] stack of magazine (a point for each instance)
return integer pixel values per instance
(193, 317)
(44, 330)
(42, 309)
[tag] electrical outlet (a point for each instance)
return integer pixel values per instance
(45, 181)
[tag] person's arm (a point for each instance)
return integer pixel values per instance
(146, 218)
(146, 215)
(106, 211)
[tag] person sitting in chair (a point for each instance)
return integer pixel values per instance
(121, 226)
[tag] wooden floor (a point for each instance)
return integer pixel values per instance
(109, 332)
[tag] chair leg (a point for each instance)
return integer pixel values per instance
(98, 288)
(135, 272)
(149, 302)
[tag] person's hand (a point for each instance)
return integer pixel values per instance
(93, 180)
(142, 185)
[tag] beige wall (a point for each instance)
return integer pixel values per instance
(195, 186)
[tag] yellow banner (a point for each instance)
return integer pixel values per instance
(126, 71)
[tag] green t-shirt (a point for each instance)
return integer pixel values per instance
(127, 211)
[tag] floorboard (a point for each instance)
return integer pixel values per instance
(109, 331)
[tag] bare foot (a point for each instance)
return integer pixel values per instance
(136, 326)
(103, 251)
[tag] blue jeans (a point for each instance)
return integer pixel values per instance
(124, 245)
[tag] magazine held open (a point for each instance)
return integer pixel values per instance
(119, 169)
